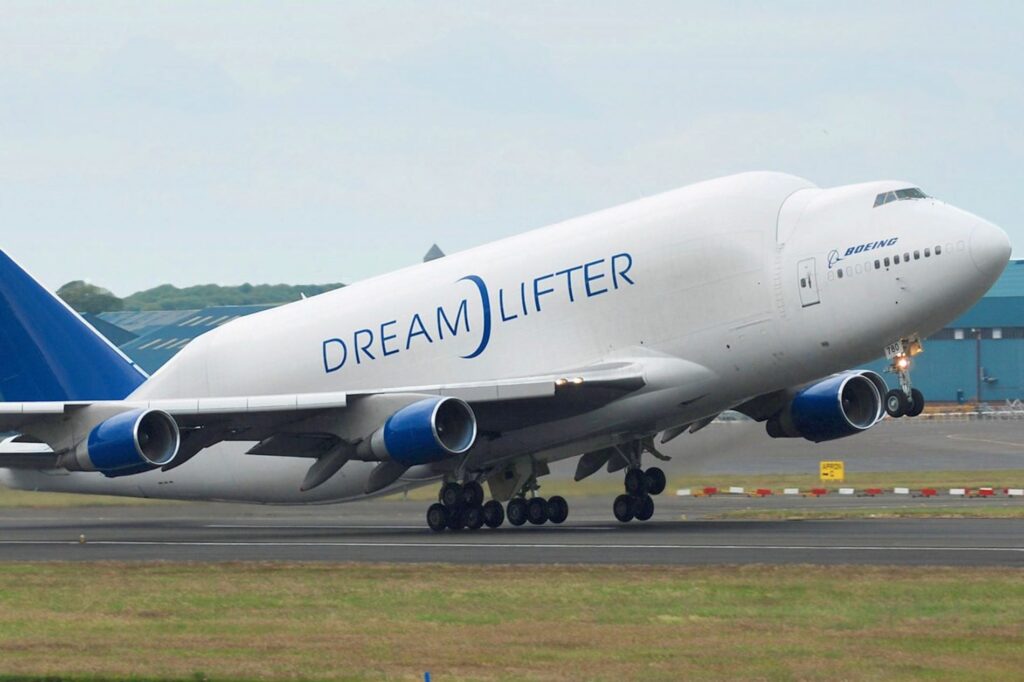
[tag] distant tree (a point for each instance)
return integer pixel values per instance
(169, 297)
(89, 298)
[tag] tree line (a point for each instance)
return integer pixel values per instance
(89, 298)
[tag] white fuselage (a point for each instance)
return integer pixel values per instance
(740, 276)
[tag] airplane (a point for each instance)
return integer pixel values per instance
(589, 339)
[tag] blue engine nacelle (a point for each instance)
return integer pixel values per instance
(425, 431)
(129, 443)
(839, 406)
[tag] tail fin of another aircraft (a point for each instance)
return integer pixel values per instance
(49, 353)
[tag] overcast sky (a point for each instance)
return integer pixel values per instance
(143, 143)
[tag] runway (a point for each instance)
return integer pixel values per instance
(387, 531)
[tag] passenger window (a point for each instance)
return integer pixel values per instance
(858, 269)
(886, 261)
(803, 283)
(839, 273)
(906, 256)
(878, 265)
(938, 249)
(927, 252)
(896, 259)
(917, 255)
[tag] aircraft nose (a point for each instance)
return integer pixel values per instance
(990, 248)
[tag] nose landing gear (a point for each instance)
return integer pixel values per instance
(904, 401)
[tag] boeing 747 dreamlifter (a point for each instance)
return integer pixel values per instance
(594, 338)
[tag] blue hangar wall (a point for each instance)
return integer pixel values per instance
(982, 349)
(948, 370)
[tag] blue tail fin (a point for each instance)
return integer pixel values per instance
(48, 352)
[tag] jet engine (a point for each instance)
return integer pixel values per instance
(839, 406)
(425, 431)
(127, 443)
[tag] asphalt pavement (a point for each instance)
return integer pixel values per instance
(394, 530)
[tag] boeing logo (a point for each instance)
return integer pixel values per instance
(475, 315)
(834, 257)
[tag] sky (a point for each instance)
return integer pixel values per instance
(143, 143)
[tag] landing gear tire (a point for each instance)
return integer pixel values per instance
(636, 482)
(516, 511)
(437, 517)
(644, 508)
(494, 514)
(916, 403)
(655, 479)
(896, 403)
(456, 518)
(623, 508)
(537, 511)
(558, 509)
(451, 495)
(472, 494)
(474, 517)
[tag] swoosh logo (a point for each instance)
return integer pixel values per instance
(485, 301)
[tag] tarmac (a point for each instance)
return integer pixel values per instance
(394, 531)
(743, 447)
(684, 530)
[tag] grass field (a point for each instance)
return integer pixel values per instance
(609, 485)
(27, 498)
(350, 621)
(606, 485)
(985, 511)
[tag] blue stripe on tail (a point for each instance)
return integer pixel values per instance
(47, 352)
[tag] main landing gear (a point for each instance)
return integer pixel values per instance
(463, 506)
(905, 401)
(641, 485)
(638, 503)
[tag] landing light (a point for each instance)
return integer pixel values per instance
(902, 363)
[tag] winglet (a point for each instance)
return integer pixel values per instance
(48, 352)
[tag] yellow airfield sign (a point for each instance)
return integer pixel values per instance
(832, 471)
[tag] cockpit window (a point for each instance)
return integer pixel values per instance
(899, 195)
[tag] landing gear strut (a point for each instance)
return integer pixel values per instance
(904, 401)
(641, 485)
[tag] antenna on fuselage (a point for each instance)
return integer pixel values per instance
(434, 253)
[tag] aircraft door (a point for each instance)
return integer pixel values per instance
(808, 277)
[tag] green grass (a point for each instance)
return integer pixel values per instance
(983, 511)
(346, 621)
(609, 485)
(28, 498)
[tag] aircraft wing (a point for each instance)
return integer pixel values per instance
(306, 424)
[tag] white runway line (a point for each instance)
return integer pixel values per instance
(356, 527)
(511, 545)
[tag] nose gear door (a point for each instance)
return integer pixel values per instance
(808, 276)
